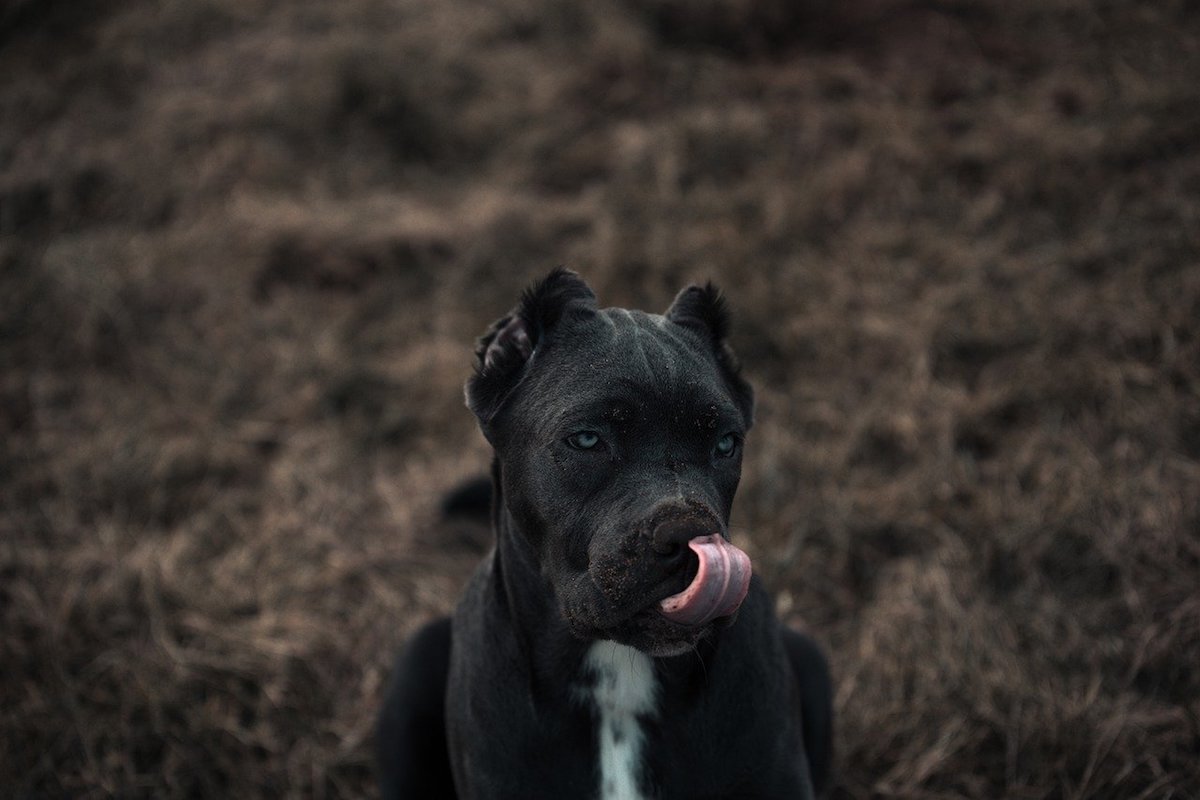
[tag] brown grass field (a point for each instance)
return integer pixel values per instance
(246, 246)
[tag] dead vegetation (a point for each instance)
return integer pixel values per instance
(245, 248)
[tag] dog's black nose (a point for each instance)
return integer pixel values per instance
(671, 536)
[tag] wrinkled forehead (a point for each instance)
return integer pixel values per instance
(642, 359)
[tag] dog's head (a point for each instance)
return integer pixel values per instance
(619, 438)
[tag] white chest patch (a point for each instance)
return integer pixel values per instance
(624, 689)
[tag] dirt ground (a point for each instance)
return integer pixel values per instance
(245, 247)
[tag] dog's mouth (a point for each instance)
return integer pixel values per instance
(719, 581)
(688, 605)
(661, 603)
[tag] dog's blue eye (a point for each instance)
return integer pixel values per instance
(584, 440)
(726, 445)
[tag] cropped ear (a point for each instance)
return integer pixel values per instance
(703, 309)
(514, 340)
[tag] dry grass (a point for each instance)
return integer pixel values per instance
(245, 248)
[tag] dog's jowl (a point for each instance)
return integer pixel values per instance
(614, 643)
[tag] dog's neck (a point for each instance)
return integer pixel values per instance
(523, 595)
(617, 686)
(620, 684)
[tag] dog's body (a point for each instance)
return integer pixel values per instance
(595, 653)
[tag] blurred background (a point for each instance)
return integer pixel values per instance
(246, 247)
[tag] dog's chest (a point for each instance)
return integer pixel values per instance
(619, 682)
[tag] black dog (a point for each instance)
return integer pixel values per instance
(613, 644)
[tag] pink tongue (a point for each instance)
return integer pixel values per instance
(719, 587)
